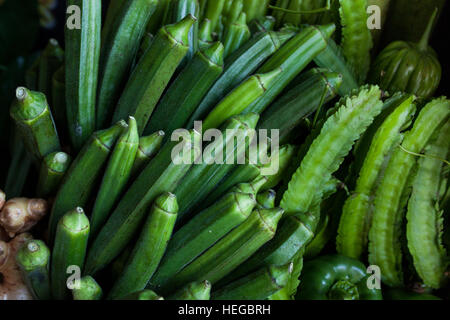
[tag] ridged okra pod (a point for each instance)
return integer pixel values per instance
(33, 259)
(213, 11)
(193, 291)
(149, 248)
(205, 34)
(51, 173)
(116, 177)
(161, 175)
(256, 286)
(255, 8)
(58, 101)
(235, 35)
(266, 199)
(149, 146)
(201, 232)
(79, 181)
(153, 72)
(262, 24)
(281, 160)
(230, 251)
(252, 187)
(52, 58)
(124, 27)
(82, 47)
(34, 122)
(69, 250)
(187, 90)
(88, 289)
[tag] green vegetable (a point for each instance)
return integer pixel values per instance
(69, 250)
(143, 295)
(116, 177)
(51, 59)
(148, 148)
(58, 89)
(34, 122)
(282, 160)
(153, 73)
(266, 199)
(235, 35)
(205, 38)
(262, 24)
(19, 168)
(322, 236)
(52, 171)
(297, 12)
(89, 289)
(193, 291)
(82, 46)
(156, 21)
(150, 247)
(335, 278)
(120, 44)
(33, 259)
(80, 180)
(161, 175)
(255, 8)
(212, 12)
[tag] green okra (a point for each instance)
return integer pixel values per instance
(69, 250)
(52, 58)
(79, 181)
(116, 177)
(34, 122)
(238, 67)
(148, 148)
(58, 107)
(293, 57)
(205, 38)
(187, 90)
(266, 199)
(82, 48)
(32, 75)
(323, 234)
(232, 11)
(283, 160)
(161, 175)
(262, 24)
(157, 19)
(255, 9)
(230, 251)
(252, 187)
(33, 259)
(256, 286)
(153, 73)
(203, 177)
(51, 173)
(213, 11)
(235, 35)
(150, 247)
(200, 233)
(193, 291)
(143, 295)
(121, 41)
(146, 42)
(241, 97)
(88, 289)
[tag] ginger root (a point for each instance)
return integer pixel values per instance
(20, 214)
(2, 199)
(12, 287)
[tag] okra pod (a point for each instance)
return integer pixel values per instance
(283, 160)
(153, 73)
(34, 122)
(235, 35)
(79, 181)
(33, 259)
(252, 187)
(241, 97)
(213, 11)
(82, 46)
(52, 58)
(120, 45)
(51, 173)
(150, 247)
(148, 148)
(116, 177)
(262, 24)
(230, 251)
(200, 233)
(231, 12)
(256, 286)
(69, 250)
(205, 38)
(255, 8)
(59, 103)
(187, 90)
(266, 199)
(143, 295)
(162, 174)
(157, 19)
(193, 291)
(88, 289)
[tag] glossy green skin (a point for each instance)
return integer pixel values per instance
(356, 213)
(238, 67)
(425, 219)
(82, 47)
(193, 291)
(298, 5)
(255, 286)
(187, 90)
(33, 259)
(285, 155)
(58, 107)
(156, 21)
(229, 252)
(143, 295)
(89, 290)
(79, 181)
(69, 250)
(235, 35)
(231, 13)
(320, 275)
(116, 177)
(394, 189)
(161, 175)
(121, 38)
(153, 72)
(404, 66)
(292, 58)
(35, 124)
(52, 58)
(213, 10)
(334, 142)
(266, 199)
(148, 148)
(53, 168)
(400, 294)
(255, 8)
(321, 238)
(262, 24)
(149, 248)
(200, 233)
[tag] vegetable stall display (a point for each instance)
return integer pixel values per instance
(129, 138)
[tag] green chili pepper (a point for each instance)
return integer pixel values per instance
(52, 171)
(88, 289)
(193, 291)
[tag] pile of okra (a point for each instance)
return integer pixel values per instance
(118, 124)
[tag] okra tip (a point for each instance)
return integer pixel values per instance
(180, 30)
(245, 202)
(28, 104)
(271, 217)
(21, 93)
(281, 274)
(242, 19)
(75, 220)
(327, 30)
(266, 79)
(249, 119)
(33, 254)
(167, 202)
(214, 53)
